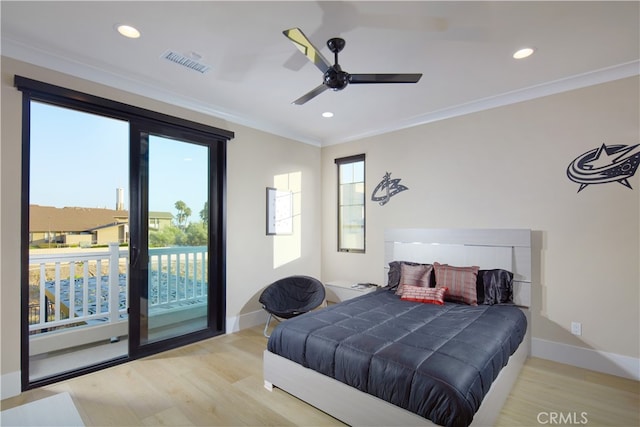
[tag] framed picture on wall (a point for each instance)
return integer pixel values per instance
(279, 211)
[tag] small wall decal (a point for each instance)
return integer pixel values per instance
(386, 189)
(607, 163)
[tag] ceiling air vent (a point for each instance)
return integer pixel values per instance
(186, 61)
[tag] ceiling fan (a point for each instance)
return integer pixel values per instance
(334, 77)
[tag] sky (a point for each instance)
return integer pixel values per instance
(80, 159)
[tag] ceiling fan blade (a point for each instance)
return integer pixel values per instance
(384, 78)
(305, 46)
(308, 96)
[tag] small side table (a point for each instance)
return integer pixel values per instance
(342, 290)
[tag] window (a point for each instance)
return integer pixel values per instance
(351, 212)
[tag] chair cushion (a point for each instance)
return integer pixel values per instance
(292, 296)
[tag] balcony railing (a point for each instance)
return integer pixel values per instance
(89, 288)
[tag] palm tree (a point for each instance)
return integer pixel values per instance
(184, 212)
(204, 213)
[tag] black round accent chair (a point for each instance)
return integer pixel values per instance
(291, 296)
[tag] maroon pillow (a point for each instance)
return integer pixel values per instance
(422, 294)
(394, 272)
(414, 275)
(461, 282)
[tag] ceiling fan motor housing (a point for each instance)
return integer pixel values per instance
(335, 78)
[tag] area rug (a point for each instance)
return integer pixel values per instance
(56, 410)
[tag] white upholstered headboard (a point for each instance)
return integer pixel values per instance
(509, 249)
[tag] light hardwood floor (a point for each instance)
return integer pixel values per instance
(219, 382)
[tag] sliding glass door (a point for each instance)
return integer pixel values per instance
(178, 196)
(123, 232)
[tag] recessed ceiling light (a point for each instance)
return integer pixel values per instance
(327, 114)
(128, 31)
(523, 53)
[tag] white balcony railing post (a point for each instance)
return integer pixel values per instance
(114, 282)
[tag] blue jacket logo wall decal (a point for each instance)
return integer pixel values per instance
(386, 189)
(607, 163)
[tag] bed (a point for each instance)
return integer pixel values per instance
(371, 360)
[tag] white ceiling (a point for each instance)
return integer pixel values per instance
(463, 50)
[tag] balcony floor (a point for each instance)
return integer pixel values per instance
(68, 360)
(48, 364)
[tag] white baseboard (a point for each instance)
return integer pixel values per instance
(595, 360)
(11, 385)
(247, 320)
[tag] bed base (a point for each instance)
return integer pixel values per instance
(357, 408)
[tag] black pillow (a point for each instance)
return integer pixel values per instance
(495, 287)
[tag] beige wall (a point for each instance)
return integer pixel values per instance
(255, 159)
(107, 234)
(506, 168)
(76, 239)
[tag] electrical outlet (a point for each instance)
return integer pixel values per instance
(576, 328)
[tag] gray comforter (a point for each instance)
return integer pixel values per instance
(435, 361)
